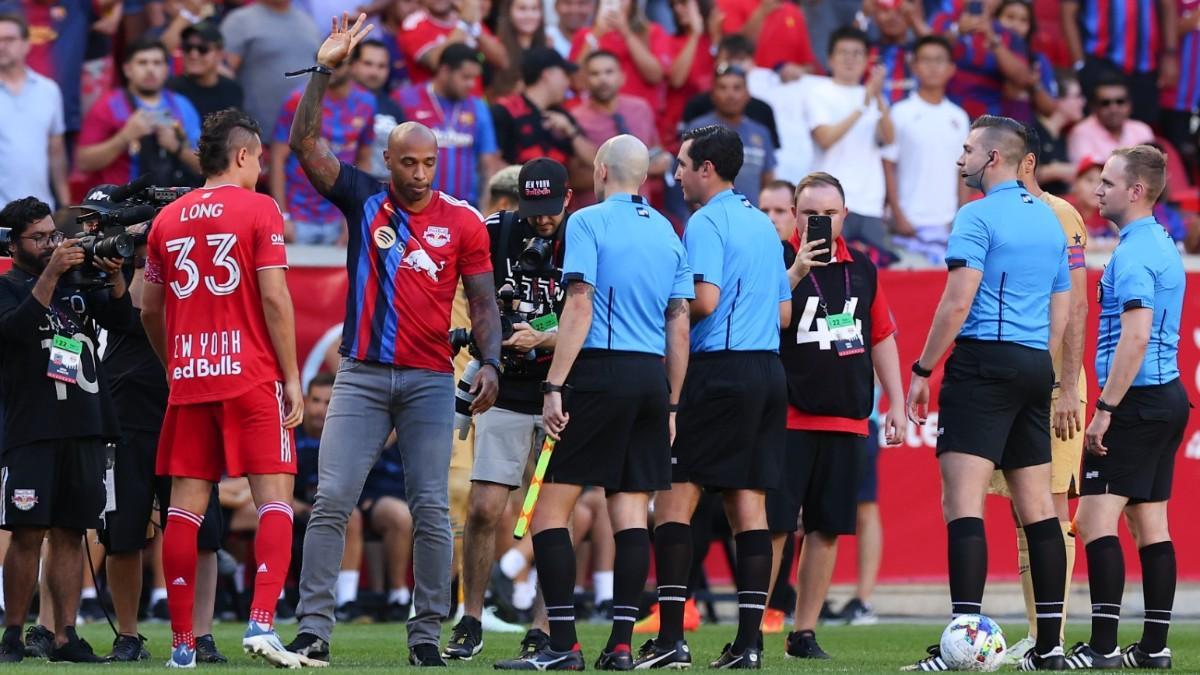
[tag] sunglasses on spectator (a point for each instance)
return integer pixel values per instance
(1106, 102)
(730, 69)
(197, 47)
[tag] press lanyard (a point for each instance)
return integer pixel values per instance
(821, 297)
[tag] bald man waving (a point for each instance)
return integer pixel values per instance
(609, 398)
(409, 245)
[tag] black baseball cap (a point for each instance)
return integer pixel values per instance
(542, 188)
(537, 60)
(99, 200)
(206, 31)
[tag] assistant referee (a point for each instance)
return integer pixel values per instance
(1005, 306)
(607, 396)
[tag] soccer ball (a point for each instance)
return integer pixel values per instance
(973, 642)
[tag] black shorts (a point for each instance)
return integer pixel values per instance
(995, 403)
(53, 484)
(1146, 431)
(212, 530)
(125, 529)
(619, 435)
(730, 430)
(821, 472)
(868, 481)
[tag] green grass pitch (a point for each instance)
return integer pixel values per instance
(381, 648)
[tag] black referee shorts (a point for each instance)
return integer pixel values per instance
(1146, 431)
(730, 430)
(126, 528)
(53, 484)
(819, 482)
(995, 403)
(619, 434)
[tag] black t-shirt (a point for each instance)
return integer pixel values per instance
(1054, 149)
(226, 93)
(538, 296)
(757, 109)
(521, 134)
(136, 378)
(36, 407)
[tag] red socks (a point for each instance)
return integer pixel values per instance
(179, 568)
(273, 551)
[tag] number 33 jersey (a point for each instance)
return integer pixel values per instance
(206, 250)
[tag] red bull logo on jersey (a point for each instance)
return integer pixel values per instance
(417, 259)
(208, 354)
(437, 237)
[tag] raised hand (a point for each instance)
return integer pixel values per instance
(342, 40)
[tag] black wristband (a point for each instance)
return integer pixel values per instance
(918, 370)
(548, 388)
(1101, 405)
(495, 363)
(672, 407)
(318, 68)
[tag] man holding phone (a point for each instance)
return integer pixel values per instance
(840, 337)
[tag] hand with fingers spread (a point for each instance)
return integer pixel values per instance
(806, 257)
(342, 40)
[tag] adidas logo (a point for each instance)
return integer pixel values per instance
(262, 567)
(179, 582)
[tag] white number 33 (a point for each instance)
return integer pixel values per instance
(221, 244)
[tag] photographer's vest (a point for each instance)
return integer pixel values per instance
(819, 381)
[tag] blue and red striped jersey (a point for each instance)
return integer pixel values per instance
(1125, 32)
(1186, 95)
(899, 82)
(464, 132)
(347, 124)
(403, 268)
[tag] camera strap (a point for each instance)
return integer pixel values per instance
(500, 246)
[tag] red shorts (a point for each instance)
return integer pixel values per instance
(235, 437)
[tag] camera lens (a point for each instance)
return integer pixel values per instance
(119, 245)
(536, 255)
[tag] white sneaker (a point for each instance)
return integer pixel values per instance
(494, 624)
(1016, 651)
(262, 641)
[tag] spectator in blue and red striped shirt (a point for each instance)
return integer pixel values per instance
(894, 48)
(1136, 37)
(988, 57)
(1180, 101)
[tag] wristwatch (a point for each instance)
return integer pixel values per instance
(548, 388)
(918, 370)
(495, 363)
(1101, 405)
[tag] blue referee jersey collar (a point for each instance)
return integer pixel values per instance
(723, 194)
(1006, 185)
(1139, 224)
(626, 197)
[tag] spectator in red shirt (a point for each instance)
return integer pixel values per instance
(698, 31)
(643, 47)
(779, 30)
(520, 24)
(426, 32)
(142, 129)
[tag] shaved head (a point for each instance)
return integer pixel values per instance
(626, 159)
(411, 158)
(411, 136)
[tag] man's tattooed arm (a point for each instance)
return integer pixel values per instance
(318, 161)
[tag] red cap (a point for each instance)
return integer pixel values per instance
(1086, 163)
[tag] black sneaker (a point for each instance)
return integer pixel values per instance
(1051, 660)
(534, 641)
(827, 614)
(617, 659)
(207, 652)
(750, 658)
(395, 612)
(652, 655)
(1083, 657)
(76, 650)
(90, 610)
(425, 655)
(858, 613)
(465, 641)
(1134, 657)
(930, 664)
(545, 659)
(352, 612)
(284, 612)
(129, 648)
(803, 645)
(500, 592)
(310, 646)
(12, 650)
(38, 642)
(159, 612)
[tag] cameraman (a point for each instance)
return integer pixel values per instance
(59, 418)
(506, 435)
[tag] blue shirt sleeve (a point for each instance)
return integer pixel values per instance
(579, 263)
(785, 285)
(1133, 285)
(684, 287)
(969, 240)
(705, 250)
(1062, 282)
(485, 130)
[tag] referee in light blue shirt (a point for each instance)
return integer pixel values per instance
(733, 411)
(1005, 308)
(608, 395)
(1140, 416)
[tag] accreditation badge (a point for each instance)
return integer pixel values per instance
(846, 337)
(64, 359)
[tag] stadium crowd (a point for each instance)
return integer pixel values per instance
(879, 93)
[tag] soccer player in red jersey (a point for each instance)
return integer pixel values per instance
(408, 247)
(217, 311)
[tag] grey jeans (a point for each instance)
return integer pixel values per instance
(369, 400)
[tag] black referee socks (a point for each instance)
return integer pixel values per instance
(753, 578)
(1106, 581)
(967, 553)
(1047, 568)
(555, 561)
(630, 567)
(1158, 590)
(672, 564)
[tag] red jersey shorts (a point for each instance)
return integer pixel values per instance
(234, 437)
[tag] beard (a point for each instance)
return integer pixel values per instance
(34, 263)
